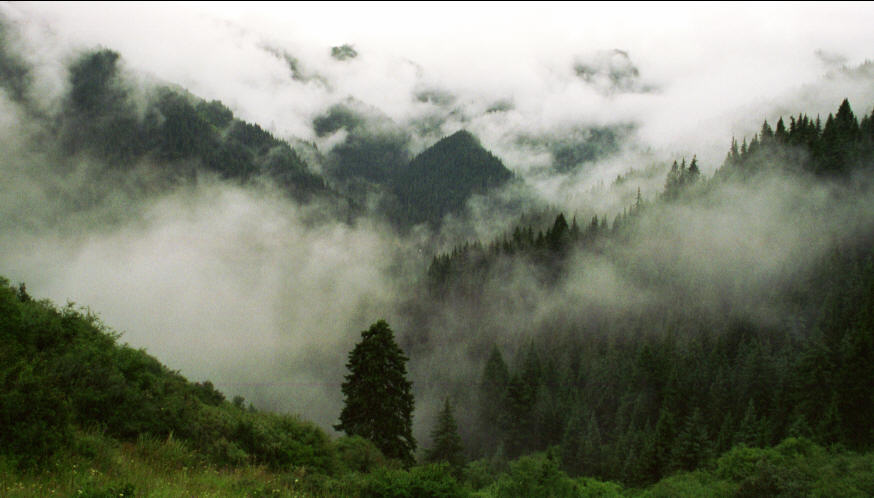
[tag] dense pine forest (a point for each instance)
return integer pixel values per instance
(444, 328)
(639, 398)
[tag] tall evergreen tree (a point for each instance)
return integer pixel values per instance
(693, 173)
(492, 394)
(378, 398)
(445, 442)
(693, 445)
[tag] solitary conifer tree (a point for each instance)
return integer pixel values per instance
(378, 397)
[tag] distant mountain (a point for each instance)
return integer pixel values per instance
(164, 130)
(442, 178)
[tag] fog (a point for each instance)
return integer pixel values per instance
(263, 296)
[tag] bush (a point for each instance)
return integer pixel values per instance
(356, 454)
(535, 476)
(690, 484)
(165, 454)
(427, 481)
(590, 487)
(34, 415)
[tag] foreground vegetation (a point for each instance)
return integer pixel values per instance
(98, 466)
(85, 416)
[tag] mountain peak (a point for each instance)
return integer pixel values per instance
(442, 178)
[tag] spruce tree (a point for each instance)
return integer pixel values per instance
(378, 399)
(492, 394)
(692, 446)
(749, 431)
(693, 173)
(445, 441)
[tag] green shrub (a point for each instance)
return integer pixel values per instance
(357, 454)
(165, 454)
(535, 476)
(427, 481)
(34, 415)
(690, 484)
(591, 487)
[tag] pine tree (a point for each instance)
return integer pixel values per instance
(673, 181)
(658, 449)
(693, 173)
(378, 398)
(749, 431)
(767, 134)
(692, 447)
(559, 234)
(492, 396)
(780, 133)
(445, 442)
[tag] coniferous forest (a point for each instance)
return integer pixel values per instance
(444, 298)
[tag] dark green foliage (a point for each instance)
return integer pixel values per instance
(344, 52)
(445, 441)
(99, 116)
(462, 271)
(441, 179)
(34, 415)
(15, 74)
(680, 178)
(61, 370)
(356, 454)
(585, 145)
(378, 401)
(692, 446)
(492, 392)
(337, 117)
(168, 134)
(836, 149)
(427, 481)
(669, 387)
(581, 445)
(208, 394)
(535, 476)
(183, 133)
(375, 158)
(95, 84)
(645, 406)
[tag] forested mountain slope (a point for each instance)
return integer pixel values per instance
(693, 346)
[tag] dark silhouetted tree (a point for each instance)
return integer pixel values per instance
(378, 398)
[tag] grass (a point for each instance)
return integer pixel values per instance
(101, 467)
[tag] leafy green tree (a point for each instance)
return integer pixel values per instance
(445, 442)
(378, 397)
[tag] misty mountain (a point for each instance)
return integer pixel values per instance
(374, 148)
(373, 158)
(689, 321)
(579, 329)
(146, 137)
(571, 150)
(176, 132)
(443, 177)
